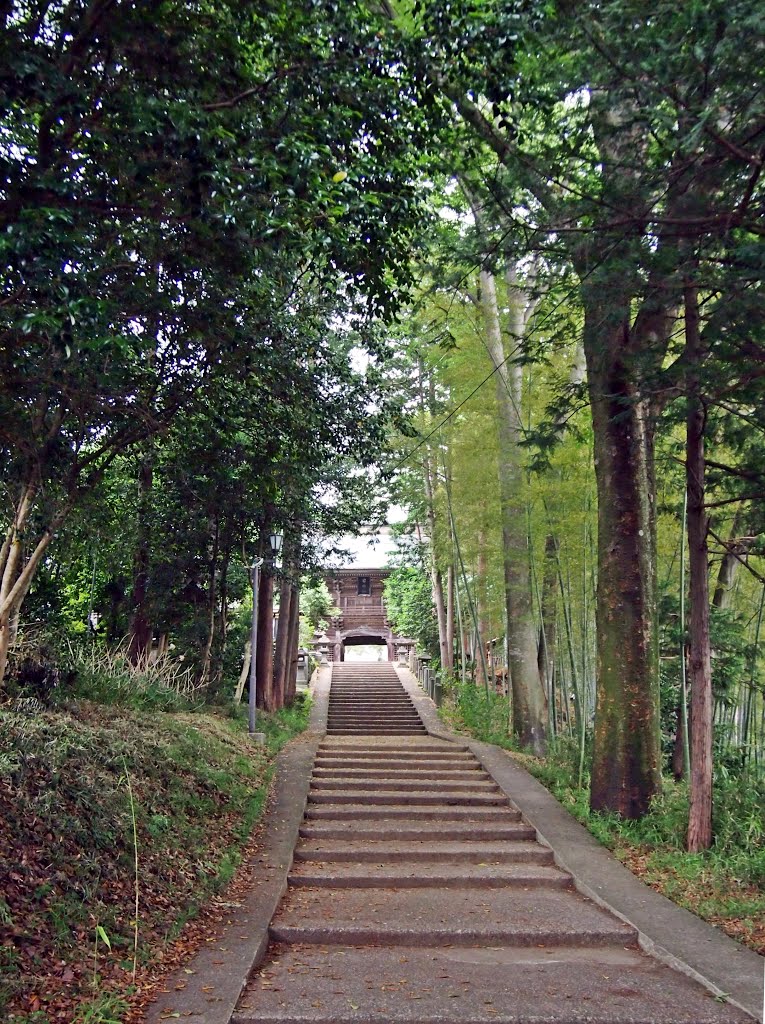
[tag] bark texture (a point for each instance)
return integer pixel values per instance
(264, 656)
(293, 646)
(437, 585)
(626, 749)
(700, 659)
(281, 643)
(529, 700)
(450, 618)
(282, 639)
(548, 627)
(738, 549)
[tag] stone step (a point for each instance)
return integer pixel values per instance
(373, 720)
(430, 745)
(444, 797)
(464, 917)
(386, 713)
(358, 721)
(372, 774)
(368, 708)
(340, 875)
(372, 712)
(352, 721)
(344, 712)
(437, 813)
(368, 690)
(369, 697)
(364, 719)
(479, 785)
(414, 757)
(387, 716)
(371, 683)
(401, 731)
(370, 700)
(453, 852)
(403, 764)
(365, 729)
(370, 724)
(406, 750)
(501, 985)
(381, 709)
(424, 832)
(376, 716)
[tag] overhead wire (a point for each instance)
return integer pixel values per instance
(537, 325)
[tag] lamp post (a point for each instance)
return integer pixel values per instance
(275, 540)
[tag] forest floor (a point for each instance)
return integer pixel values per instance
(724, 886)
(126, 835)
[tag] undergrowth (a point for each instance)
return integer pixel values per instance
(724, 885)
(67, 850)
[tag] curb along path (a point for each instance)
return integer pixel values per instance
(417, 894)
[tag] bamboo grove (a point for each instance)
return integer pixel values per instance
(602, 264)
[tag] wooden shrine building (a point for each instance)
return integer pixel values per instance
(358, 593)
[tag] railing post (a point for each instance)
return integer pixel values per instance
(438, 691)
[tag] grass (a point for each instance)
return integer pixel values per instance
(724, 886)
(68, 846)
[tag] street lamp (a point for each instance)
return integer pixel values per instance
(275, 540)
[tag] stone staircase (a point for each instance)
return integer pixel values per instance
(368, 699)
(418, 896)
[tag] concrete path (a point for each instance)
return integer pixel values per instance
(419, 893)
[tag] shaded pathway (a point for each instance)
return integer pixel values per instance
(418, 894)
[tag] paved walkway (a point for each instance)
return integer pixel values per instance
(420, 893)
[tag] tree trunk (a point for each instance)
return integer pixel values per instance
(244, 674)
(281, 646)
(450, 617)
(529, 701)
(548, 601)
(626, 768)
(221, 624)
(700, 660)
(212, 605)
(429, 477)
(731, 560)
(626, 756)
(481, 600)
(438, 599)
(264, 663)
(140, 631)
(11, 559)
(678, 756)
(293, 644)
